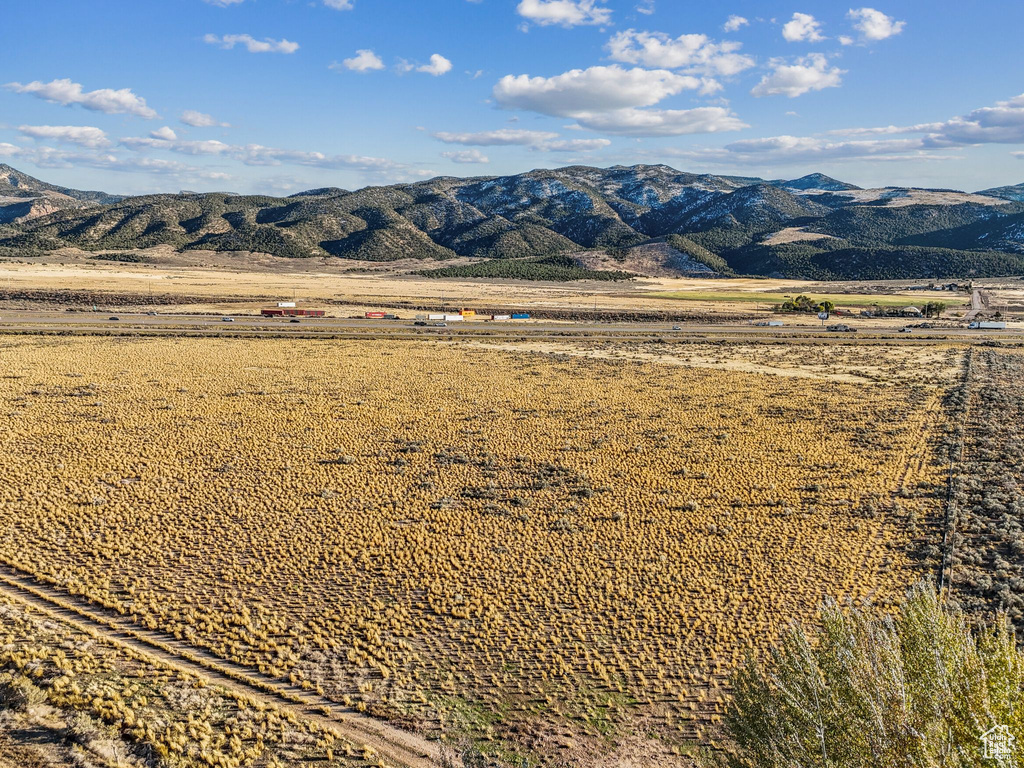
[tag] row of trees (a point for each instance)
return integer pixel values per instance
(804, 303)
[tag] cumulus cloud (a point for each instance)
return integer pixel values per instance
(466, 156)
(802, 28)
(365, 60)
(498, 138)
(165, 134)
(267, 45)
(809, 73)
(201, 120)
(608, 99)
(438, 65)
(646, 7)
(340, 5)
(874, 25)
(65, 91)
(590, 90)
(83, 135)
(566, 13)
(734, 23)
(694, 53)
(1002, 123)
(661, 122)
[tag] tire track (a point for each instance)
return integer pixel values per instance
(395, 746)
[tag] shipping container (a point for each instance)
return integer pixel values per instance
(390, 317)
(775, 323)
(435, 316)
(467, 313)
(452, 318)
(520, 316)
(286, 303)
(501, 317)
(420, 317)
(375, 315)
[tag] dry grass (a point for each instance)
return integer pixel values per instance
(539, 550)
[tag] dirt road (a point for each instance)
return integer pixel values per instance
(394, 746)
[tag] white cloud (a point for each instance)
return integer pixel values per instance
(543, 140)
(874, 25)
(1002, 123)
(802, 28)
(438, 65)
(500, 137)
(365, 60)
(575, 145)
(165, 134)
(734, 22)
(805, 151)
(566, 13)
(340, 5)
(222, 3)
(846, 40)
(200, 120)
(606, 99)
(267, 45)
(999, 124)
(661, 122)
(590, 90)
(466, 156)
(108, 100)
(375, 168)
(646, 7)
(207, 147)
(694, 53)
(809, 73)
(83, 135)
(48, 157)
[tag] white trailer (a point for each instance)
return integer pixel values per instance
(988, 325)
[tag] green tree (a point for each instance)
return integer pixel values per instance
(918, 689)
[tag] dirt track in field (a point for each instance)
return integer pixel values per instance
(395, 746)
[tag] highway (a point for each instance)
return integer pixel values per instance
(29, 321)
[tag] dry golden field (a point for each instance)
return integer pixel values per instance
(544, 551)
(72, 698)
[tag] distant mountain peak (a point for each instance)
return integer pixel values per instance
(816, 181)
(1014, 193)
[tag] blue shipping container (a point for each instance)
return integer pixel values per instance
(520, 316)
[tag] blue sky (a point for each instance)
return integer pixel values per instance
(276, 96)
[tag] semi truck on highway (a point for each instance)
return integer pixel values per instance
(988, 325)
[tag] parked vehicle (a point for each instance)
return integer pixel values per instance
(227, 319)
(113, 317)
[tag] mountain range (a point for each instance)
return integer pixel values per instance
(639, 219)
